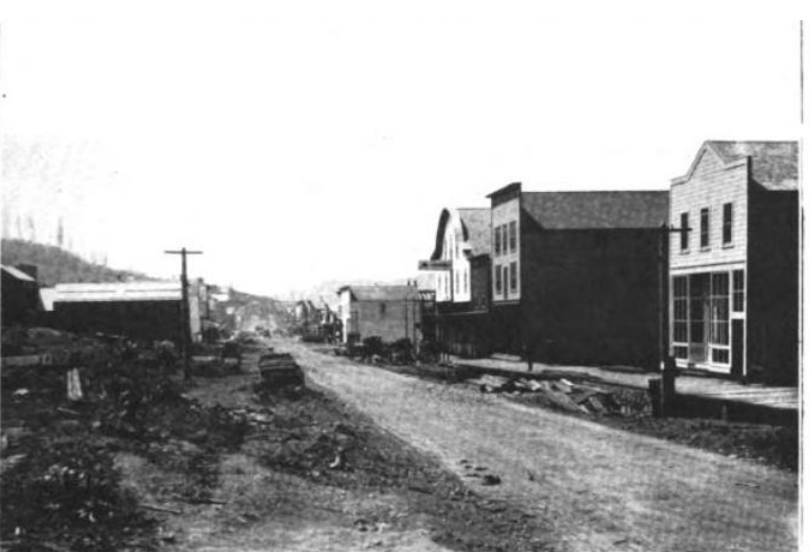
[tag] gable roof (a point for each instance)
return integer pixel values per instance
(597, 210)
(382, 293)
(17, 273)
(775, 165)
(477, 224)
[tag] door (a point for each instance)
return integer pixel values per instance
(737, 346)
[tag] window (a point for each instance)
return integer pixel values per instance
(498, 240)
(728, 217)
(457, 287)
(498, 281)
(466, 281)
(505, 278)
(720, 312)
(738, 298)
(457, 239)
(382, 309)
(513, 236)
(704, 228)
(680, 311)
(513, 276)
(684, 231)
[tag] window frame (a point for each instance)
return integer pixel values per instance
(738, 291)
(513, 280)
(705, 225)
(513, 236)
(728, 223)
(685, 231)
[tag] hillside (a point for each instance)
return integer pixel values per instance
(57, 266)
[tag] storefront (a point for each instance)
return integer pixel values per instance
(708, 320)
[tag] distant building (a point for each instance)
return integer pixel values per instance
(389, 312)
(140, 310)
(734, 305)
(19, 294)
(458, 275)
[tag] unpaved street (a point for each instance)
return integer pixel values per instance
(603, 489)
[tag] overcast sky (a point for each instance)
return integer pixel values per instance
(295, 149)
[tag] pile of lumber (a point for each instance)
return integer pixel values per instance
(562, 393)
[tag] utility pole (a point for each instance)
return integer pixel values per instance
(667, 366)
(185, 315)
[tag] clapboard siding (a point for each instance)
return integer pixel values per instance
(710, 185)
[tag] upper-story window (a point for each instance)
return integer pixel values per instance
(513, 236)
(457, 239)
(728, 219)
(498, 240)
(704, 228)
(513, 276)
(684, 231)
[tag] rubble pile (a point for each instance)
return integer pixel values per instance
(564, 394)
(65, 421)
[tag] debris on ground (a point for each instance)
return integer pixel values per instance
(279, 371)
(560, 393)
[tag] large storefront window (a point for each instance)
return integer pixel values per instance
(680, 317)
(739, 291)
(720, 318)
(701, 312)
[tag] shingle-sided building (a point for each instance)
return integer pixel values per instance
(734, 305)
(458, 272)
(388, 312)
(575, 275)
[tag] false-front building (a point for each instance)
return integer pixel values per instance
(734, 269)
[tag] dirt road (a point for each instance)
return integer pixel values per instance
(604, 489)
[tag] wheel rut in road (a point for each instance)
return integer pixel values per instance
(602, 488)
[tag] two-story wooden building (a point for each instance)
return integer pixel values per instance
(734, 305)
(575, 275)
(458, 272)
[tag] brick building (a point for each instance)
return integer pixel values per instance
(388, 312)
(575, 275)
(734, 305)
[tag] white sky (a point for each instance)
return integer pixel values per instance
(294, 148)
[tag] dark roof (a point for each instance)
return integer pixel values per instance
(383, 293)
(477, 224)
(17, 273)
(775, 165)
(595, 210)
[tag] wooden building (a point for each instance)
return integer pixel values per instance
(458, 274)
(19, 295)
(139, 310)
(734, 305)
(388, 312)
(575, 275)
